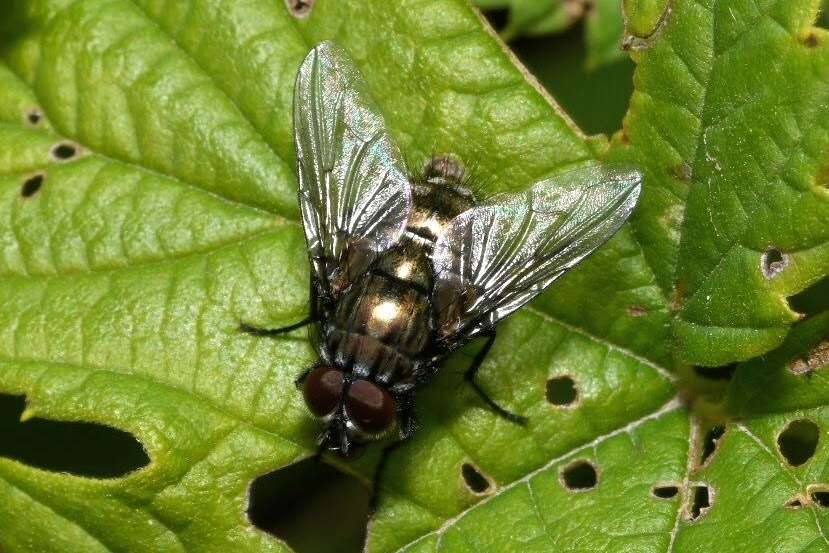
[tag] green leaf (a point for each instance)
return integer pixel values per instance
(534, 17)
(610, 25)
(734, 148)
(604, 23)
(168, 216)
(173, 217)
(603, 33)
(767, 394)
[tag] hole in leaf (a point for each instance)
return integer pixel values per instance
(798, 441)
(63, 151)
(561, 390)
(664, 492)
(33, 116)
(31, 185)
(300, 8)
(821, 498)
(724, 372)
(709, 444)
(794, 503)
(83, 449)
(579, 476)
(298, 501)
(701, 502)
(772, 262)
(475, 481)
(637, 311)
(812, 300)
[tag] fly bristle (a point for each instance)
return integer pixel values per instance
(465, 177)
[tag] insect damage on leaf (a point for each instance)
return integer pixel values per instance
(665, 491)
(580, 476)
(475, 480)
(300, 8)
(34, 116)
(773, 261)
(702, 497)
(77, 448)
(820, 498)
(709, 444)
(562, 391)
(32, 185)
(817, 358)
(798, 441)
(64, 151)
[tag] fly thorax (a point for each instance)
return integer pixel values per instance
(439, 196)
(409, 262)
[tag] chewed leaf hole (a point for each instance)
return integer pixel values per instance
(798, 441)
(772, 262)
(63, 151)
(794, 503)
(79, 448)
(821, 498)
(300, 8)
(475, 481)
(664, 492)
(31, 185)
(701, 502)
(579, 476)
(723, 372)
(709, 444)
(561, 390)
(34, 116)
(295, 503)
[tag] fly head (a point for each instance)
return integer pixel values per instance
(355, 410)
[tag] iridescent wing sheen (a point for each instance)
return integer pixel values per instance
(354, 195)
(494, 258)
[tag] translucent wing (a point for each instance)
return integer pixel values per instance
(494, 258)
(353, 191)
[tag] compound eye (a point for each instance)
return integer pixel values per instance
(369, 406)
(322, 390)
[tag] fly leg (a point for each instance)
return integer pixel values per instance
(275, 331)
(272, 332)
(470, 373)
(408, 425)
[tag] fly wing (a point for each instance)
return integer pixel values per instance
(354, 195)
(494, 258)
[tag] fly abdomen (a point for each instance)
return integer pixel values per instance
(388, 309)
(367, 357)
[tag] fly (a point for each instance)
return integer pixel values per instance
(405, 271)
